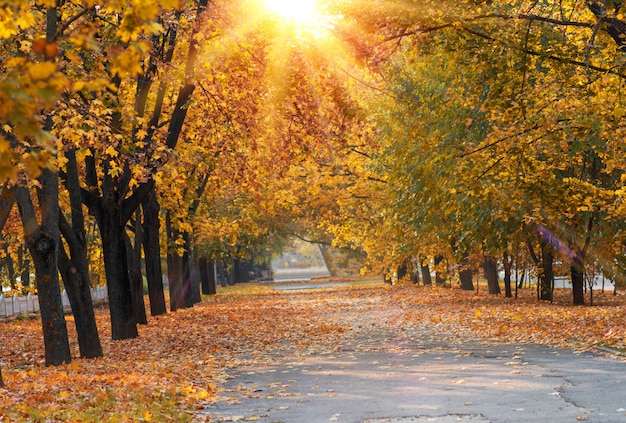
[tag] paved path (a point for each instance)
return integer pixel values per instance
(383, 373)
(299, 274)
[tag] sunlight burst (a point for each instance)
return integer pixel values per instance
(302, 12)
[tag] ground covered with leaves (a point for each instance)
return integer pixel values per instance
(180, 360)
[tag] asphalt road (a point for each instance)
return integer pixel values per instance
(386, 374)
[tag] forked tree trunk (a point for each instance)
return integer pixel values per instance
(74, 268)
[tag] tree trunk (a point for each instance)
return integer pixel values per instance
(241, 270)
(402, 270)
(8, 261)
(507, 276)
(26, 273)
(415, 275)
(188, 288)
(75, 274)
(152, 254)
(327, 260)
(43, 243)
(490, 267)
(174, 268)
(123, 322)
(1, 381)
(466, 274)
(440, 279)
(133, 254)
(578, 281)
(428, 281)
(207, 275)
(195, 277)
(75, 267)
(546, 279)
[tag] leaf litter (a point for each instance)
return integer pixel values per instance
(179, 361)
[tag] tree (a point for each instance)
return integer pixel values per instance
(42, 240)
(494, 150)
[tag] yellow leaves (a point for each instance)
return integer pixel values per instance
(128, 62)
(114, 169)
(40, 71)
(111, 151)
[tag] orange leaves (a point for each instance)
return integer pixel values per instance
(521, 320)
(178, 362)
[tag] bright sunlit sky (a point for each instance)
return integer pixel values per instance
(302, 12)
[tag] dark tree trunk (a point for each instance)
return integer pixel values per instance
(1, 381)
(466, 274)
(152, 254)
(7, 199)
(175, 276)
(26, 272)
(490, 267)
(174, 269)
(520, 285)
(207, 276)
(428, 280)
(578, 281)
(241, 269)
(133, 254)
(440, 279)
(546, 279)
(75, 268)
(188, 288)
(195, 278)
(123, 322)
(75, 274)
(8, 261)
(507, 276)
(43, 243)
(402, 270)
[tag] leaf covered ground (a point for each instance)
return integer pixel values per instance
(179, 361)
